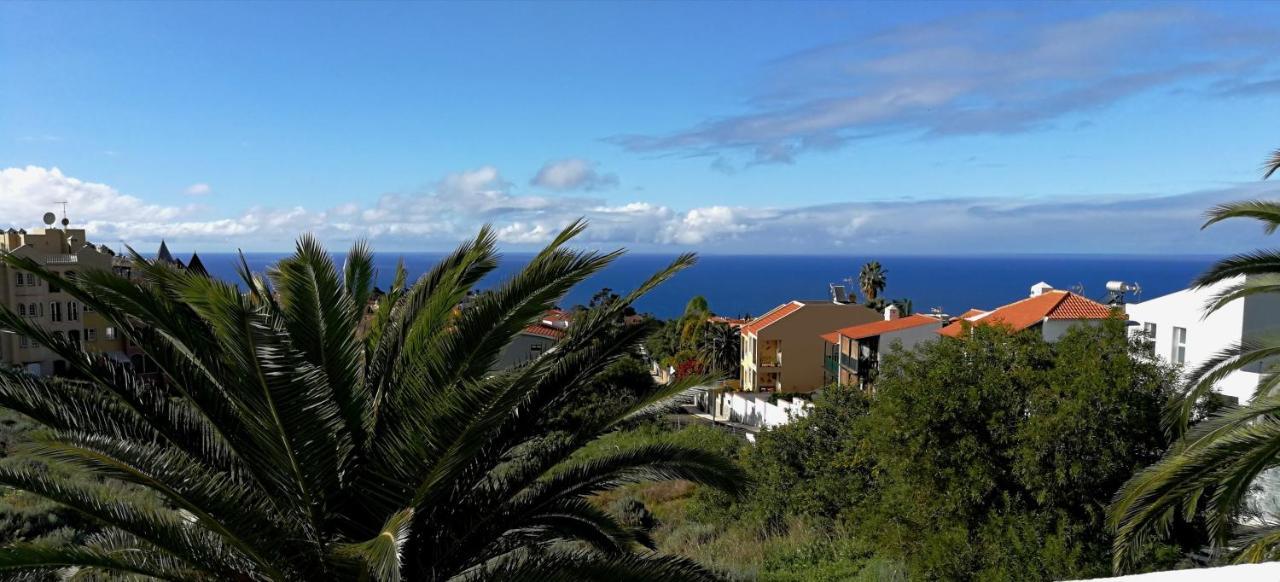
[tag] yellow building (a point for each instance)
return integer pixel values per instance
(67, 252)
(782, 349)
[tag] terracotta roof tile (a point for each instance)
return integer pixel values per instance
(544, 331)
(1020, 315)
(772, 316)
(875, 328)
(831, 338)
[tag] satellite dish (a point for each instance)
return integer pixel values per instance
(49, 217)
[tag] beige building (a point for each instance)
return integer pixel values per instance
(782, 348)
(64, 251)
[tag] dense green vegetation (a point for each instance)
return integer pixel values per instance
(991, 457)
(284, 444)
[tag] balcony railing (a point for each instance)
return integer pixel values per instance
(830, 364)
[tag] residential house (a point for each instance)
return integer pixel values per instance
(1050, 311)
(1177, 330)
(534, 340)
(853, 354)
(779, 348)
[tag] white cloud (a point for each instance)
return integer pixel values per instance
(987, 73)
(198, 189)
(573, 174)
(455, 207)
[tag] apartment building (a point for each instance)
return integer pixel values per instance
(780, 348)
(64, 251)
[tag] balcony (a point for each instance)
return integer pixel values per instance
(830, 364)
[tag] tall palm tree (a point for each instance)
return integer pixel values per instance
(871, 279)
(1213, 467)
(721, 349)
(283, 445)
(693, 320)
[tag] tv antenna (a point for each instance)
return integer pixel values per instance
(65, 222)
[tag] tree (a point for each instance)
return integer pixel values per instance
(694, 319)
(871, 280)
(985, 457)
(721, 349)
(1216, 464)
(285, 446)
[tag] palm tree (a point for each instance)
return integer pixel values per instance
(1211, 470)
(721, 349)
(871, 279)
(285, 446)
(696, 312)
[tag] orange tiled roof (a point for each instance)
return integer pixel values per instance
(556, 315)
(544, 331)
(772, 316)
(971, 312)
(875, 328)
(1020, 315)
(831, 338)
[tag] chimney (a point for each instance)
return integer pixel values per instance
(891, 313)
(1040, 289)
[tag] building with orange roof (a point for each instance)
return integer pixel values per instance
(1051, 311)
(532, 341)
(852, 354)
(792, 329)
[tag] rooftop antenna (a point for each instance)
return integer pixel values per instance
(1078, 288)
(65, 222)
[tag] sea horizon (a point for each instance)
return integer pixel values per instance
(751, 284)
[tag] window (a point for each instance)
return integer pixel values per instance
(22, 309)
(90, 334)
(74, 337)
(31, 310)
(20, 280)
(109, 333)
(57, 334)
(1149, 337)
(55, 311)
(31, 279)
(1179, 355)
(73, 311)
(24, 342)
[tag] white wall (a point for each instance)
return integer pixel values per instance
(1206, 336)
(754, 409)
(1054, 329)
(521, 350)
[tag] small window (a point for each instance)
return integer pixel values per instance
(33, 308)
(1179, 355)
(1149, 337)
(20, 279)
(24, 342)
(55, 311)
(22, 310)
(90, 334)
(73, 311)
(109, 333)
(31, 279)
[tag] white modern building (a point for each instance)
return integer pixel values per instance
(1179, 332)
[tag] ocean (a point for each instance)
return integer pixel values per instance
(737, 285)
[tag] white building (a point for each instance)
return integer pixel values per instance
(1180, 333)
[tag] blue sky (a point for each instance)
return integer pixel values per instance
(763, 128)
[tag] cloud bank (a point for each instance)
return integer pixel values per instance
(992, 73)
(455, 206)
(573, 174)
